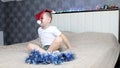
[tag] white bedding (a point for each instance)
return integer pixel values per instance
(92, 50)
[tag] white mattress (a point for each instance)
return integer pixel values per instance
(92, 50)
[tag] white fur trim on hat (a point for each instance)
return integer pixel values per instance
(53, 11)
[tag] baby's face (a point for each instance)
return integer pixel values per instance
(45, 21)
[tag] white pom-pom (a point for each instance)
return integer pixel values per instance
(39, 22)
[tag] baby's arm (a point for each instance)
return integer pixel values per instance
(65, 40)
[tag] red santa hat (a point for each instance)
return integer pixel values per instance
(39, 15)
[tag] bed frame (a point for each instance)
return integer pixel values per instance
(106, 21)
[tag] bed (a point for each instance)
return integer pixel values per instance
(92, 49)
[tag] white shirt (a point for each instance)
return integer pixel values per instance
(48, 35)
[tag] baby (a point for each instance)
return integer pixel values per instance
(51, 38)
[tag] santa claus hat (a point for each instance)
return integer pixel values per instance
(39, 15)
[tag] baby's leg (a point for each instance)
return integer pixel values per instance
(55, 45)
(35, 47)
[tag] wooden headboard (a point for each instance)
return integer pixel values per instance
(106, 21)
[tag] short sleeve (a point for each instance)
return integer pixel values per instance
(56, 31)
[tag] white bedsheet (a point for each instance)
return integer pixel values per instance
(92, 50)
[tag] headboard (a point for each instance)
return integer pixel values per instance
(106, 21)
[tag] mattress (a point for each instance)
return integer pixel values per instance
(91, 49)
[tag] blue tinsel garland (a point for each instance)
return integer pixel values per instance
(35, 57)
